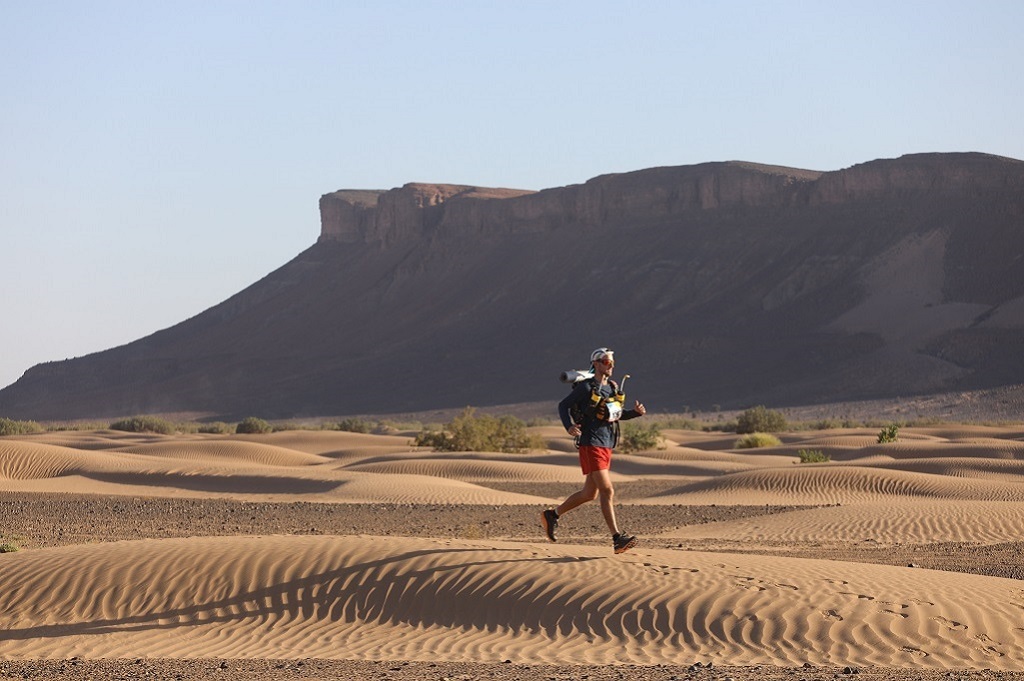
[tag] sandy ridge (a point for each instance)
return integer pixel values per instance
(398, 598)
(360, 549)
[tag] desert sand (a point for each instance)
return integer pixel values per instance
(317, 554)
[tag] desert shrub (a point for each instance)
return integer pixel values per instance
(720, 427)
(760, 420)
(7, 547)
(12, 427)
(429, 437)
(216, 428)
(753, 440)
(144, 424)
(251, 424)
(824, 424)
(66, 426)
(889, 433)
(635, 437)
(353, 425)
(358, 425)
(813, 456)
(470, 432)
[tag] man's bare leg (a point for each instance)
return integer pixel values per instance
(602, 481)
(588, 493)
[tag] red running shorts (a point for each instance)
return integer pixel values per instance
(595, 458)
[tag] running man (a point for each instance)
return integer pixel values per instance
(591, 414)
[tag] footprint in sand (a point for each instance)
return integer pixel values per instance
(787, 586)
(950, 624)
(840, 582)
(895, 612)
(751, 587)
(917, 601)
(860, 596)
(660, 569)
(750, 583)
(989, 649)
(916, 652)
(832, 615)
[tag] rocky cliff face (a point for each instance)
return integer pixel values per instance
(351, 216)
(416, 209)
(722, 283)
(654, 194)
(936, 174)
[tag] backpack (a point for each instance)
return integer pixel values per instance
(599, 407)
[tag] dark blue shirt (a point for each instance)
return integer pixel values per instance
(596, 432)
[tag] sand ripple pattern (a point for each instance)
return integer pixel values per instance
(905, 522)
(30, 461)
(965, 463)
(422, 599)
(829, 484)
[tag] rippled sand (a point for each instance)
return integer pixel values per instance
(362, 550)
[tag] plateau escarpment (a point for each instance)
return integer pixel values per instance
(720, 283)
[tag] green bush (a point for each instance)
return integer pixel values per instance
(74, 426)
(468, 432)
(889, 433)
(813, 456)
(353, 425)
(251, 424)
(760, 420)
(7, 547)
(11, 427)
(722, 427)
(752, 440)
(144, 424)
(438, 439)
(635, 437)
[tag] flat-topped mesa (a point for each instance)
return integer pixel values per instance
(352, 215)
(946, 173)
(381, 216)
(650, 195)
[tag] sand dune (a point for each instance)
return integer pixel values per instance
(238, 469)
(460, 598)
(29, 461)
(236, 453)
(1002, 470)
(900, 521)
(422, 489)
(473, 470)
(402, 598)
(832, 484)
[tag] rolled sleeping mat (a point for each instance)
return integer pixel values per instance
(575, 376)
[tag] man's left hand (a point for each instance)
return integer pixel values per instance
(640, 409)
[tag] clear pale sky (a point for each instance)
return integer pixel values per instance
(158, 157)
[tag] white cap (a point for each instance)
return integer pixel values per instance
(599, 353)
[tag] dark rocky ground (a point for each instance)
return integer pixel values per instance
(319, 670)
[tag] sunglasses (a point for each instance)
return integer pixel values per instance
(607, 361)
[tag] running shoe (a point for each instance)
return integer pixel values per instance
(623, 542)
(549, 519)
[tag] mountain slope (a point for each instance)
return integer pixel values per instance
(721, 283)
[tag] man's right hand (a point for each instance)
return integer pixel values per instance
(574, 431)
